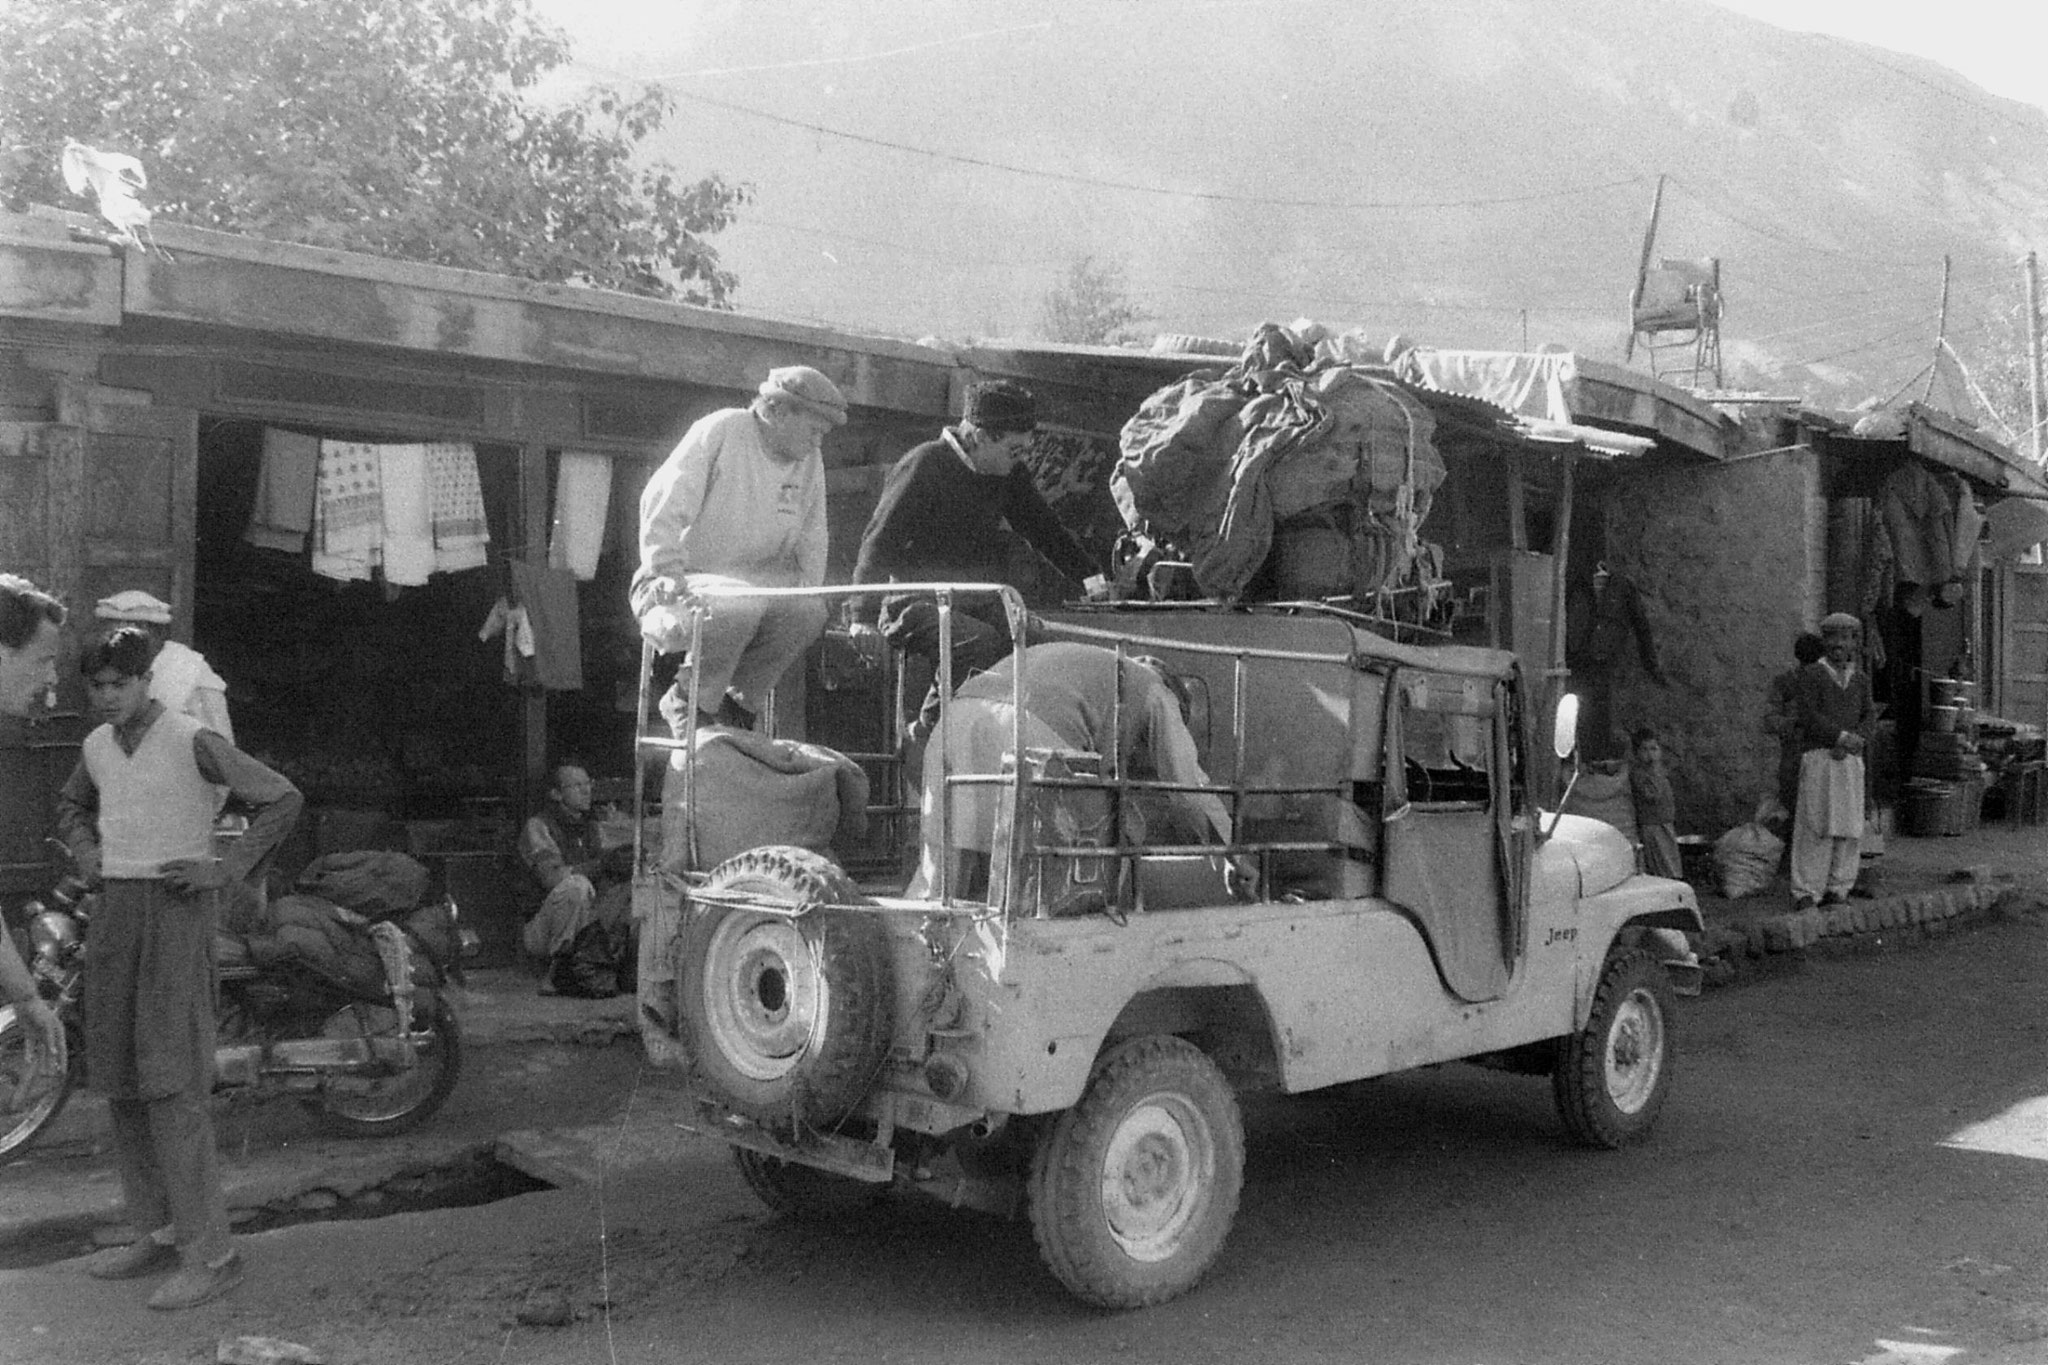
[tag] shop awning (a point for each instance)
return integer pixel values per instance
(1568, 390)
(1939, 438)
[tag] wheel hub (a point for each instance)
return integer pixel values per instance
(1635, 1052)
(1158, 1165)
(763, 993)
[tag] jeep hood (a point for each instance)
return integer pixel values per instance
(1603, 855)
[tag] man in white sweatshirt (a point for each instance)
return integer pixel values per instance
(741, 502)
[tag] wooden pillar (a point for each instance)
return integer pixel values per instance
(533, 548)
(1518, 518)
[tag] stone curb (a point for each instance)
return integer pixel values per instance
(1725, 948)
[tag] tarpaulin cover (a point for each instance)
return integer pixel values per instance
(1211, 465)
(1528, 384)
(375, 883)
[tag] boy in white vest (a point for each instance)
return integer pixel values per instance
(138, 813)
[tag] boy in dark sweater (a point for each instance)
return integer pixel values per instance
(940, 518)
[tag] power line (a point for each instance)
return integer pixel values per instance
(1206, 196)
(2033, 124)
(1896, 336)
(1715, 208)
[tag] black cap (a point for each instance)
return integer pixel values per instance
(999, 405)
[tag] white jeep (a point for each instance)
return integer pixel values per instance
(1072, 1045)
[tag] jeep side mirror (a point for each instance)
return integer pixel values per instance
(1564, 736)
(1564, 742)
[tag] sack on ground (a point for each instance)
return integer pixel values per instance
(1746, 859)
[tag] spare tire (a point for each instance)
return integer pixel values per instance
(787, 1017)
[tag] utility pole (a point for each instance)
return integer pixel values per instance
(1940, 333)
(2034, 349)
(1643, 268)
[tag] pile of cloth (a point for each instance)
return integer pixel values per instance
(1294, 473)
(322, 924)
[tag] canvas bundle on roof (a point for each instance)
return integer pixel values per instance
(1287, 476)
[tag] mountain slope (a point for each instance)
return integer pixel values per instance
(1469, 172)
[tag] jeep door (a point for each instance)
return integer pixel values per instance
(1448, 841)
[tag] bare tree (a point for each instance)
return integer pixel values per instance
(1090, 305)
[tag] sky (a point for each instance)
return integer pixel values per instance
(1998, 44)
(1995, 43)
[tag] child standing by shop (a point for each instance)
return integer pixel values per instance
(1656, 806)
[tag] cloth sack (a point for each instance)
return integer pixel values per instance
(375, 883)
(752, 790)
(1746, 858)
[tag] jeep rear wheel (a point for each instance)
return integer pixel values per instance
(1613, 1074)
(804, 1192)
(787, 1016)
(1134, 1189)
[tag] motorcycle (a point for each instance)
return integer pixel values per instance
(374, 1051)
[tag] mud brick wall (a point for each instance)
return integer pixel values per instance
(1730, 563)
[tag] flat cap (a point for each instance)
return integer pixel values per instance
(807, 388)
(1840, 620)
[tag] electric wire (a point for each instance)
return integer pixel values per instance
(1203, 196)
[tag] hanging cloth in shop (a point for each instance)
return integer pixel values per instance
(549, 597)
(287, 480)
(583, 492)
(512, 623)
(348, 517)
(456, 507)
(408, 526)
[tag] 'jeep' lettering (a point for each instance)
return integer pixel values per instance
(1557, 935)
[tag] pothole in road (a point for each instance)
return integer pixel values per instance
(466, 1179)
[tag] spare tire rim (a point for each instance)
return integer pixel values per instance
(1156, 1174)
(763, 994)
(1635, 1052)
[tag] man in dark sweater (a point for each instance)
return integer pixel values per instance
(940, 519)
(1834, 719)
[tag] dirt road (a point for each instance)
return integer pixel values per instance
(1851, 1170)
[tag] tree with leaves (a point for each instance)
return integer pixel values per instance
(1090, 305)
(404, 128)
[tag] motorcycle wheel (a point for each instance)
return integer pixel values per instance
(384, 1105)
(34, 1083)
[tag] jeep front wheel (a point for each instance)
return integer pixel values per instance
(1133, 1190)
(1613, 1074)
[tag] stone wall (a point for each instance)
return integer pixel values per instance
(1727, 559)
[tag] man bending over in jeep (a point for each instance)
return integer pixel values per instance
(1070, 695)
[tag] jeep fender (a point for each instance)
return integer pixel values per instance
(1206, 997)
(1655, 913)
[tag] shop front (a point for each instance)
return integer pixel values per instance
(394, 506)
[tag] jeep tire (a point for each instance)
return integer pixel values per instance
(1613, 1074)
(786, 1017)
(1134, 1189)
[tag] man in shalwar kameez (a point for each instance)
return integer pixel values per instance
(138, 812)
(1833, 718)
